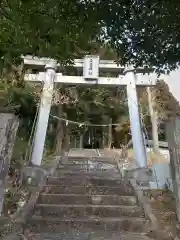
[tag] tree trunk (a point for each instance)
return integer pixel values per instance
(81, 141)
(105, 132)
(59, 132)
(110, 134)
(153, 115)
(8, 128)
(66, 139)
(65, 144)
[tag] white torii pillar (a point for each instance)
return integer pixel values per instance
(91, 77)
(44, 111)
(139, 148)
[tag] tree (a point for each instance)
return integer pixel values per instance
(95, 105)
(45, 28)
(143, 32)
(166, 104)
(154, 121)
(140, 32)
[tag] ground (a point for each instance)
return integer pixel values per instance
(163, 205)
(162, 201)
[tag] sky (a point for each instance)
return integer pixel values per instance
(173, 81)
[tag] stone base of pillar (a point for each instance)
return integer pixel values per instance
(142, 175)
(32, 175)
(64, 158)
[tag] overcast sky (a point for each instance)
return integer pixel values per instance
(173, 81)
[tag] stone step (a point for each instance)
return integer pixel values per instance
(131, 235)
(83, 235)
(86, 199)
(91, 158)
(100, 174)
(77, 158)
(53, 225)
(77, 166)
(95, 171)
(4, 220)
(63, 210)
(83, 180)
(66, 170)
(89, 161)
(118, 190)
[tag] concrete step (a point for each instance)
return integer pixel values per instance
(93, 170)
(131, 235)
(4, 220)
(61, 171)
(81, 159)
(74, 189)
(100, 174)
(55, 225)
(89, 162)
(63, 210)
(134, 236)
(77, 166)
(83, 180)
(84, 235)
(86, 199)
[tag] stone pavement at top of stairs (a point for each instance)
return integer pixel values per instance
(83, 152)
(83, 203)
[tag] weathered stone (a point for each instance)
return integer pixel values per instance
(161, 172)
(81, 210)
(51, 224)
(88, 235)
(119, 190)
(140, 174)
(32, 175)
(16, 223)
(8, 128)
(173, 138)
(87, 199)
(89, 202)
(13, 236)
(85, 180)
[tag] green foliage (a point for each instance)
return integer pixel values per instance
(166, 104)
(96, 101)
(93, 105)
(57, 29)
(24, 103)
(142, 32)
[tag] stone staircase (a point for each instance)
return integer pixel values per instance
(86, 199)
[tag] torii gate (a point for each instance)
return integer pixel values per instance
(90, 64)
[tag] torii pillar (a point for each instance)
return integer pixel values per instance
(44, 111)
(139, 148)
